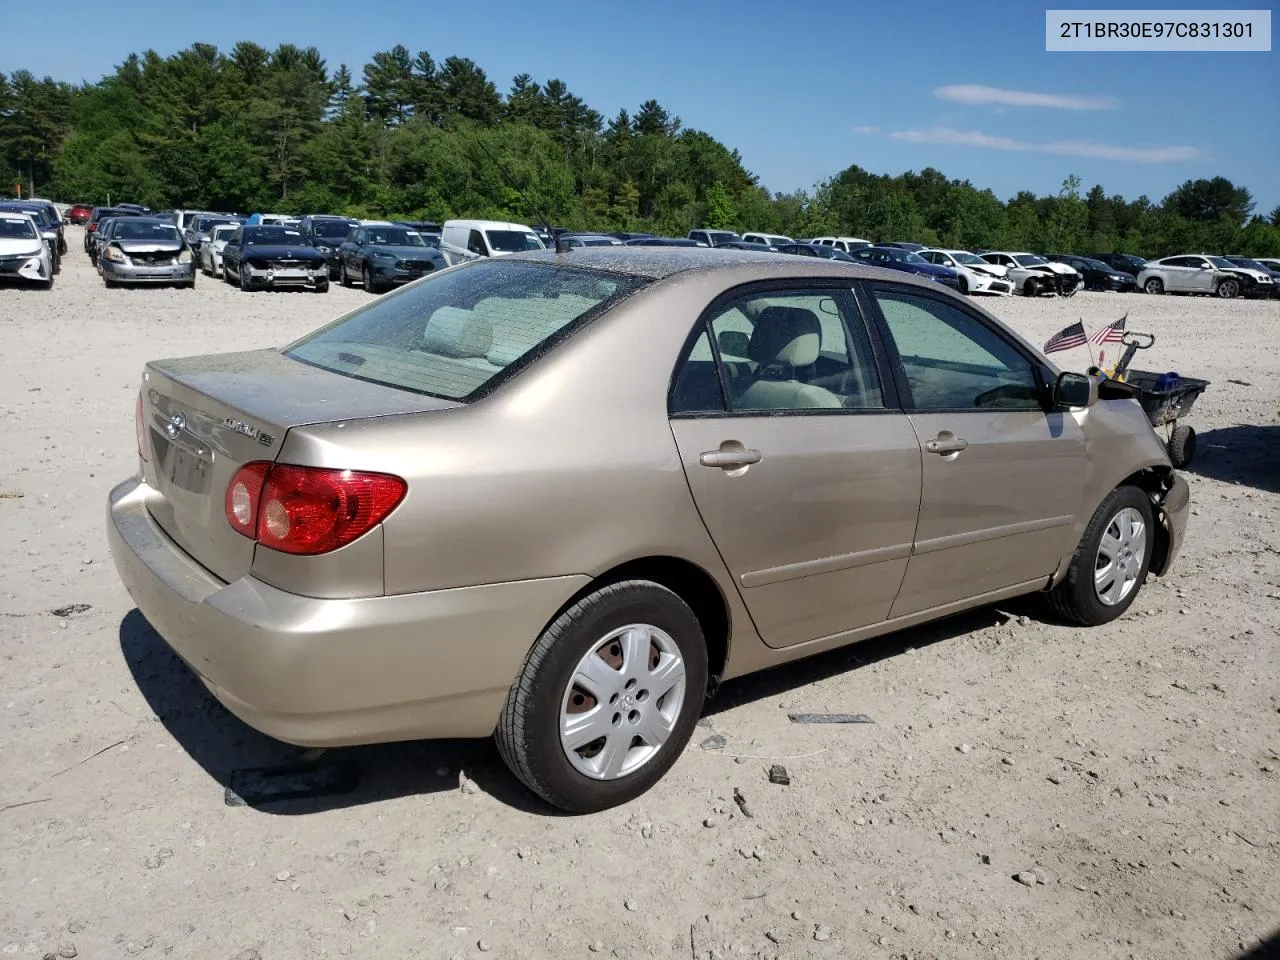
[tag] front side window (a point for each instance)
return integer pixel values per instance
(451, 335)
(780, 351)
(952, 360)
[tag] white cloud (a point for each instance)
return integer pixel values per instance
(866, 129)
(977, 95)
(1065, 148)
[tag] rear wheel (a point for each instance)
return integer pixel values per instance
(1181, 446)
(1227, 289)
(607, 698)
(1154, 286)
(1111, 563)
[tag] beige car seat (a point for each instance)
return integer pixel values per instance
(785, 339)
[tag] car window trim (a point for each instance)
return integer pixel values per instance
(844, 290)
(1039, 371)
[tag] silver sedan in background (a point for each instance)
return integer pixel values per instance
(211, 250)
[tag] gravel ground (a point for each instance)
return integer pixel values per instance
(1027, 790)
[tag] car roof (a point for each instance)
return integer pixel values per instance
(489, 225)
(658, 263)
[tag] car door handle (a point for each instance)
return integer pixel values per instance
(946, 445)
(730, 459)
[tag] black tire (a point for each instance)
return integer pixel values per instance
(109, 284)
(226, 274)
(528, 733)
(342, 274)
(962, 286)
(322, 287)
(245, 284)
(1031, 288)
(1154, 286)
(1075, 598)
(366, 278)
(1182, 446)
(47, 284)
(1227, 289)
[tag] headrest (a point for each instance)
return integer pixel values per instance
(790, 335)
(458, 333)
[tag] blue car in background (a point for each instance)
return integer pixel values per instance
(895, 258)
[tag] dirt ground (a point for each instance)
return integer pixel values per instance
(1132, 769)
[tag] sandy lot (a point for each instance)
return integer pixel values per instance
(1135, 769)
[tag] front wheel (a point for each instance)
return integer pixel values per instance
(1154, 286)
(1227, 289)
(1110, 565)
(366, 276)
(963, 286)
(607, 698)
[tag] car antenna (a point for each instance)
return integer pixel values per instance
(510, 182)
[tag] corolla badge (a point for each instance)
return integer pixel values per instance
(239, 426)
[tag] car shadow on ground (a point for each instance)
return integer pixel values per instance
(1268, 949)
(1247, 454)
(230, 751)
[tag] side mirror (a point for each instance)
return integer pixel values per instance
(562, 245)
(1075, 390)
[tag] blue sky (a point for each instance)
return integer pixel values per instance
(801, 90)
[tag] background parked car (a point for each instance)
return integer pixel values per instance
(746, 245)
(652, 241)
(1129, 263)
(588, 240)
(1097, 275)
(1030, 273)
(24, 254)
(847, 244)
(326, 232)
(211, 251)
(1197, 273)
(1260, 272)
(380, 255)
(264, 258)
(906, 261)
(79, 213)
(50, 228)
(768, 239)
(491, 238)
(55, 217)
(96, 216)
(146, 250)
(199, 228)
(903, 245)
(713, 238)
(814, 250)
(1272, 264)
(974, 275)
(627, 236)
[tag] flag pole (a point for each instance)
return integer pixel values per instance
(1088, 342)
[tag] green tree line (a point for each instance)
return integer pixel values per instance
(258, 129)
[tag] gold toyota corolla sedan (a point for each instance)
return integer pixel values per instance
(554, 497)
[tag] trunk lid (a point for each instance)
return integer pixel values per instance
(206, 417)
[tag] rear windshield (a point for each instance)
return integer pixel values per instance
(450, 335)
(512, 241)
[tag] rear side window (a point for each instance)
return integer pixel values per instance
(453, 334)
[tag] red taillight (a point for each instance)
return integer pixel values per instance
(93, 227)
(308, 510)
(140, 428)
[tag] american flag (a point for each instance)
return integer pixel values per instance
(1068, 337)
(1111, 333)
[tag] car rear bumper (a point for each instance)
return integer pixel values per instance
(320, 672)
(145, 273)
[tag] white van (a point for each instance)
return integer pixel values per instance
(847, 244)
(490, 238)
